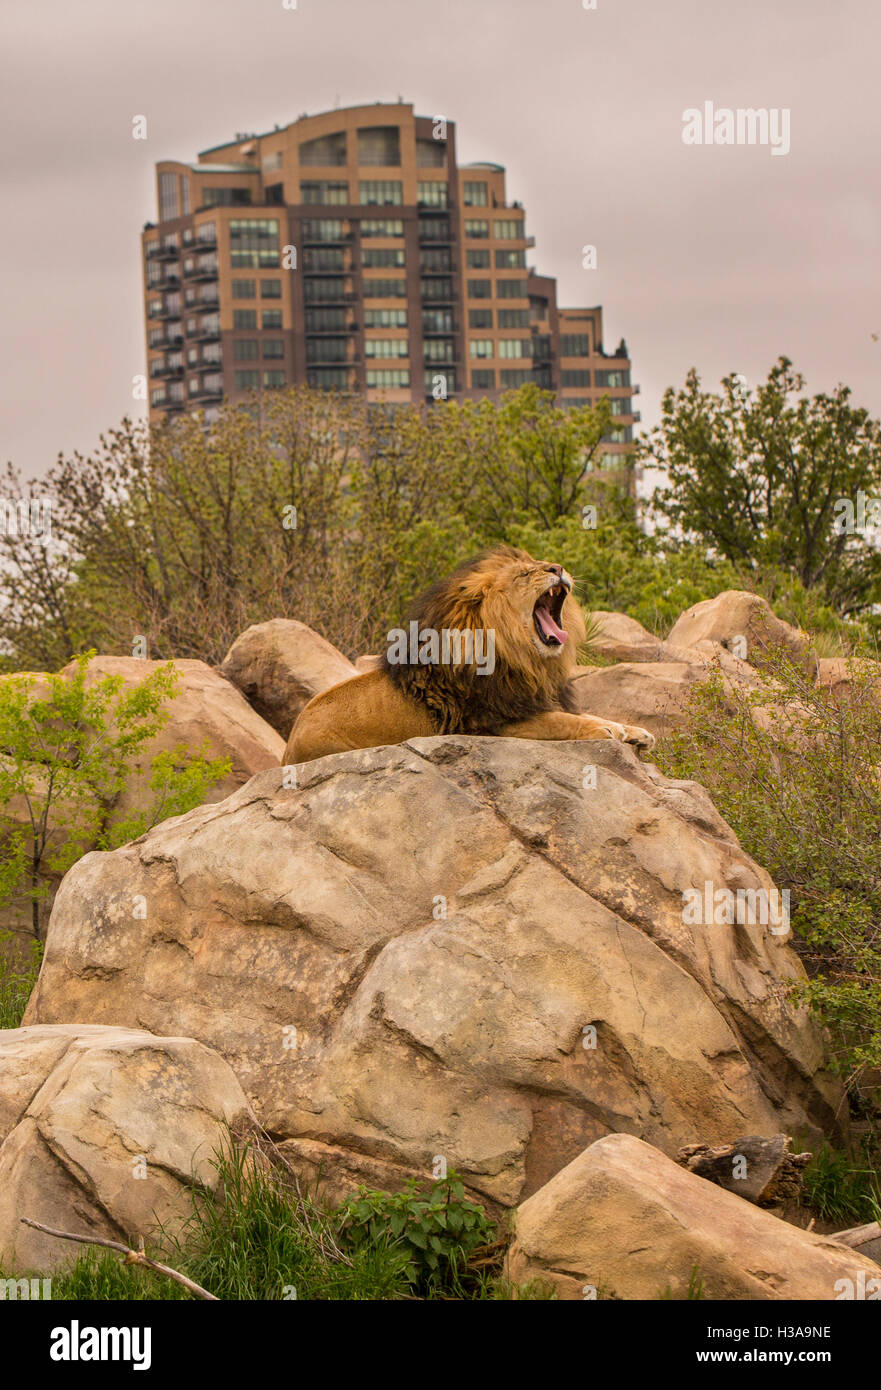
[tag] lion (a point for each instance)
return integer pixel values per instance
(489, 650)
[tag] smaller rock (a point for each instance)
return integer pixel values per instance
(627, 1221)
(621, 638)
(745, 624)
(279, 665)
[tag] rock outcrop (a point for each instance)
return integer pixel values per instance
(279, 665)
(744, 624)
(473, 947)
(101, 1131)
(626, 1222)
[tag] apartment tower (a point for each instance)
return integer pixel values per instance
(351, 251)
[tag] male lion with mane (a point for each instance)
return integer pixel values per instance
(520, 609)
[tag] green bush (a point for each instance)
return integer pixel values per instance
(796, 771)
(439, 1231)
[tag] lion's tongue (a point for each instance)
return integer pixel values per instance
(548, 626)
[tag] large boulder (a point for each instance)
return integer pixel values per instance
(279, 665)
(621, 638)
(626, 1222)
(468, 947)
(207, 709)
(102, 1131)
(744, 624)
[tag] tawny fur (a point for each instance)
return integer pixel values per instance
(526, 695)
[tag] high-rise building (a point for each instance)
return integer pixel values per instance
(349, 250)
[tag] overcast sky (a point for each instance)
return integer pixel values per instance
(721, 257)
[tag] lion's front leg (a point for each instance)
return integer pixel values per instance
(557, 724)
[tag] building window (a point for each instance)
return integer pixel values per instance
(616, 378)
(389, 378)
(253, 241)
(185, 196)
(438, 350)
(328, 192)
(432, 193)
(384, 318)
(510, 260)
(381, 226)
(247, 381)
(436, 289)
(328, 378)
(226, 197)
(271, 318)
(273, 380)
(326, 350)
(325, 320)
(322, 229)
(273, 347)
(480, 289)
(382, 257)
(386, 347)
(431, 154)
(574, 345)
(273, 162)
(511, 289)
(481, 347)
(513, 318)
(476, 229)
(483, 379)
(620, 405)
(385, 289)
(379, 146)
(475, 195)
(480, 318)
(323, 258)
(477, 260)
(513, 378)
(435, 258)
(437, 321)
(169, 205)
(270, 289)
(508, 229)
(244, 289)
(515, 347)
(244, 319)
(245, 350)
(580, 379)
(326, 150)
(376, 192)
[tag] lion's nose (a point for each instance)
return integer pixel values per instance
(555, 569)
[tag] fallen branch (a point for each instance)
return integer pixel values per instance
(132, 1257)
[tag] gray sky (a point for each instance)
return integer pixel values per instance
(719, 257)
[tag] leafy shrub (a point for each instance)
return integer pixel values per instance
(796, 771)
(440, 1232)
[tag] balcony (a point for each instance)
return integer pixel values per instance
(165, 313)
(202, 272)
(164, 253)
(206, 243)
(206, 335)
(207, 393)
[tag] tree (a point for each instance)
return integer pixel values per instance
(68, 745)
(757, 475)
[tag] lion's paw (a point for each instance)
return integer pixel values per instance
(638, 737)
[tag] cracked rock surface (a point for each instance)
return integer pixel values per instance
(100, 1131)
(455, 946)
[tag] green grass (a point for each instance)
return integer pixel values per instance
(16, 982)
(263, 1238)
(842, 1190)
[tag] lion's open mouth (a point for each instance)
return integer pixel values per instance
(546, 616)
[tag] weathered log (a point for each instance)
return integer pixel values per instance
(761, 1170)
